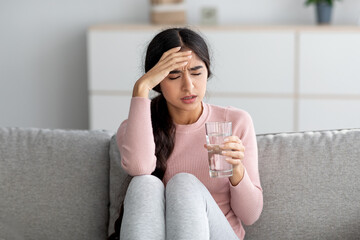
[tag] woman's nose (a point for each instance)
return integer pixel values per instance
(187, 82)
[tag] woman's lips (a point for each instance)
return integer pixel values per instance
(189, 99)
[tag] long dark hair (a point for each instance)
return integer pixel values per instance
(163, 126)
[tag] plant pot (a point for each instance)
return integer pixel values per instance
(323, 13)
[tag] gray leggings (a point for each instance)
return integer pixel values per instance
(190, 211)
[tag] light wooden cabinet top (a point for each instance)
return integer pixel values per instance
(136, 27)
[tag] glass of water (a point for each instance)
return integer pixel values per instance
(216, 132)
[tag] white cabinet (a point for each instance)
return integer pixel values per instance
(329, 77)
(287, 78)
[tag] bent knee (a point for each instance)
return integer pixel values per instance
(146, 181)
(185, 180)
(184, 188)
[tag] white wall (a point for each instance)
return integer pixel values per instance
(43, 68)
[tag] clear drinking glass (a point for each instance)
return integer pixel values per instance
(216, 132)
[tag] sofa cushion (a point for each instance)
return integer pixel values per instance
(311, 185)
(53, 184)
(119, 181)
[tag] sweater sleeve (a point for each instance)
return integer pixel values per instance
(246, 198)
(135, 139)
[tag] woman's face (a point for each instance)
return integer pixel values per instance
(184, 89)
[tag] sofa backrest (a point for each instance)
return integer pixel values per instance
(311, 185)
(54, 184)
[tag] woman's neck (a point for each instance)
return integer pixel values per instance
(183, 117)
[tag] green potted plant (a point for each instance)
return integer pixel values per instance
(323, 9)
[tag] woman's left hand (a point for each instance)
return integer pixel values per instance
(235, 157)
(234, 150)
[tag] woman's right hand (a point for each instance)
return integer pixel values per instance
(169, 61)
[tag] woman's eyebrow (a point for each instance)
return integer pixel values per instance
(196, 68)
(191, 69)
(175, 71)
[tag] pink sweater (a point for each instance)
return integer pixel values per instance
(240, 204)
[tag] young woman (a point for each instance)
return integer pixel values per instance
(162, 144)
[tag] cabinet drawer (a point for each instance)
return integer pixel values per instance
(248, 61)
(329, 63)
(324, 114)
(107, 112)
(269, 114)
(116, 58)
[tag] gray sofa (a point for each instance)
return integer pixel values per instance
(66, 184)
